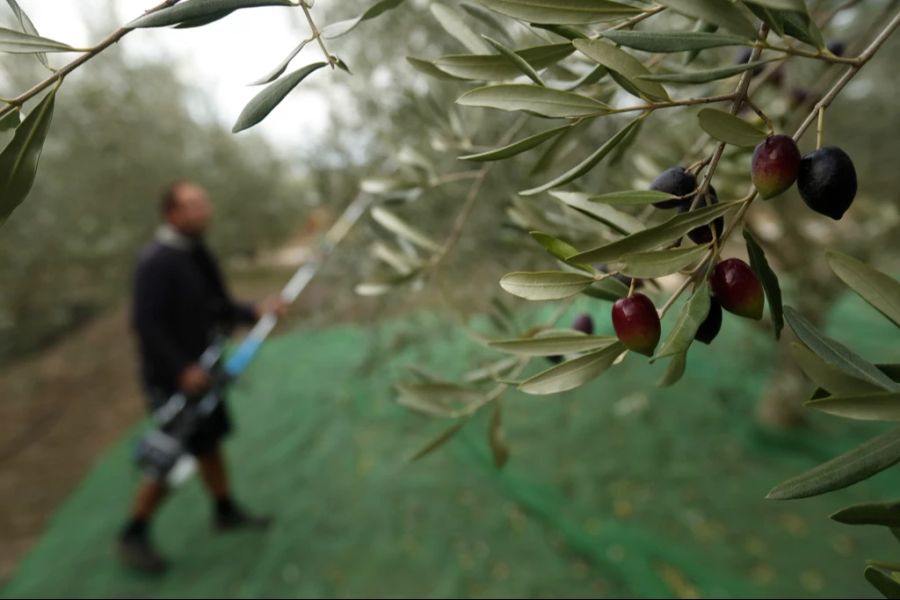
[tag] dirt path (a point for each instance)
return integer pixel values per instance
(60, 410)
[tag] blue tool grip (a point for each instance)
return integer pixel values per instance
(241, 358)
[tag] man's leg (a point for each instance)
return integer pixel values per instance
(215, 476)
(134, 541)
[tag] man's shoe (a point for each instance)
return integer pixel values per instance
(238, 519)
(138, 553)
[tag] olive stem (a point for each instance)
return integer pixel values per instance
(635, 20)
(740, 95)
(820, 126)
(851, 72)
(479, 176)
(317, 34)
(671, 103)
(665, 307)
(762, 115)
(826, 55)
(457, 176)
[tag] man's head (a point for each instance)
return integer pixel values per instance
(186, 207)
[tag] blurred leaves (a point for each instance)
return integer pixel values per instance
(453, 23)
(870, 513)
(340, 28)
(499, 449)
(440, 399)
(439, 441)
(878, 406)
(854, 466)
(836, 354)
(886, 581)
(826, 376)
(876, 288)
(398, 226)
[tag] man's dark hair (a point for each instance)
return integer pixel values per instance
(170, 196)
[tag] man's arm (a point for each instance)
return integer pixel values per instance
(242, 312)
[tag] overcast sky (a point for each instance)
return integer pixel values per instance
(220, 58)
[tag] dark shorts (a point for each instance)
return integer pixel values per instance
(209, 431)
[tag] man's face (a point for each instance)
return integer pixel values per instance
(192, 211)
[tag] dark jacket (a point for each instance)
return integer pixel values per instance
(180, 305)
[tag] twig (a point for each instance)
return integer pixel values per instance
(671, 103)
(820, 126)
(740, 95)
(59, 75)
(849, 74)
(317, 34)
(463, 216)
(762, 114)
(826, 56)
(635, 20)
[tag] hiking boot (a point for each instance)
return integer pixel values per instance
(137, 552)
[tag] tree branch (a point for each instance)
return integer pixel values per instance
(18, 101)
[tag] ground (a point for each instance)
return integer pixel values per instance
(617, 489)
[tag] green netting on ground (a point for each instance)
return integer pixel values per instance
(616, 489)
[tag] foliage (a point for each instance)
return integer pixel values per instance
(573, 87)
(849, 386)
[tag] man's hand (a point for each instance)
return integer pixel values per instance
(193, 380)
(272, 304)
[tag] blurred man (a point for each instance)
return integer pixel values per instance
(180, 305)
